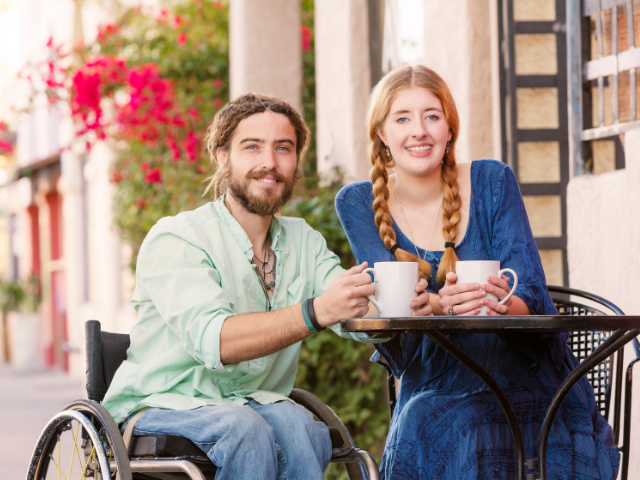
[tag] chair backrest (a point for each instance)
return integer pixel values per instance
(583, 343)
(105, 352)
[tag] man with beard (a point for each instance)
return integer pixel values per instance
(225, 294)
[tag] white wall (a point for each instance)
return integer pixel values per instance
(604, 233)
(42, 134)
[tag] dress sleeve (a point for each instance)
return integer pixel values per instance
(181, 281)
(357, 218)
(512, 243)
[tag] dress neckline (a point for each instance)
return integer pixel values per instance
(436, 253)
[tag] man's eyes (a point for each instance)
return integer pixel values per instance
(282, 148)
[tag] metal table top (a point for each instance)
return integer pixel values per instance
(494, 324)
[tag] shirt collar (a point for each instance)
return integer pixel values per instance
(239, 235)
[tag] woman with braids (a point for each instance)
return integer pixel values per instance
(421, 206)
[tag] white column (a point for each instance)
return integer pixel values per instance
(343, 85)
(70, 187)
(265, 48)
(104, 245)
(458, 47)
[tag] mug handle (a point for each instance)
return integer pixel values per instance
(370, 297)
(515, 283)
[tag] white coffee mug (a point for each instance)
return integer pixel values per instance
(477, 271)
(395, 287)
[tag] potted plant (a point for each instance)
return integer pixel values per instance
(22, 323)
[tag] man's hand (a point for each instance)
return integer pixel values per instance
(420, 304)
(345, 298)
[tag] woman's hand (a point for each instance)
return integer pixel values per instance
(454, 296)
(500, 288)
(421, 302)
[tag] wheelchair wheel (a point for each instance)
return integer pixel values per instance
(81, 442)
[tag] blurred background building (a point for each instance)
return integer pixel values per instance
(547, 86)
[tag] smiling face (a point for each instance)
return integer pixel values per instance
(261, 163)
(416, 131)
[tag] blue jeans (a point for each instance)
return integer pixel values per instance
(276, 441)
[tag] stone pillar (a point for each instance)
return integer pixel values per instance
(70, 186)
(458, 42)
(103, 240)
(265, 48)
(343, 85)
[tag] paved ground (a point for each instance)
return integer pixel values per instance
(27, 401)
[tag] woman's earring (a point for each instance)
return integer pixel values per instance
(388, 154)
(448, 149)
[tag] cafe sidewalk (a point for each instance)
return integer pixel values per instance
(28, 400)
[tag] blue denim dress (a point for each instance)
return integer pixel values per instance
(447, 424)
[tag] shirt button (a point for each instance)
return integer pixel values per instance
(255, 360)
(233, 384)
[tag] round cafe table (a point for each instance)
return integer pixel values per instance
(624, 328)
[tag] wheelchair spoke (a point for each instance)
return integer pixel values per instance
(58, 464)
(91, 455)
(75, 450)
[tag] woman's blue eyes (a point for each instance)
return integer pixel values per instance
(433, 118)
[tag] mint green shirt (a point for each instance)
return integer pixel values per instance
(194, 271)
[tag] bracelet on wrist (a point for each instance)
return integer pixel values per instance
(309, 315)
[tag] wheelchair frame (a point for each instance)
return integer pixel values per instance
(105, 352)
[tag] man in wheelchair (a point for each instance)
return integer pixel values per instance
(225, 294)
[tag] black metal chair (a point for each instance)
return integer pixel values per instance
(167, 457)
(582, 344)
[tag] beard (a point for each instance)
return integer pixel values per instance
(270, 202)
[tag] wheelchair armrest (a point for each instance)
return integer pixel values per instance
(340, 438)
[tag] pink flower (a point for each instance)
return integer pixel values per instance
(116, 177)
(182, 39)
(217, 102)
(306, 38)
(217, 83)
(175, 151)
(153, 176)
(5, 147)
(146, 166)
(218, 5)
(140, 203)
(200, 169)
(190, 146)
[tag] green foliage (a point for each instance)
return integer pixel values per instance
(20, 296)
(189, 43)
(338, 370)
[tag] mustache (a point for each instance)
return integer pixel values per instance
(264, 173)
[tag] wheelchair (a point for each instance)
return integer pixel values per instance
(84, 442)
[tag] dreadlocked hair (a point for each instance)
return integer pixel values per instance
(220, 132)
(380, 102)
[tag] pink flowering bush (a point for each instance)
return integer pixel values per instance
(149, 85)
(5, 145)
